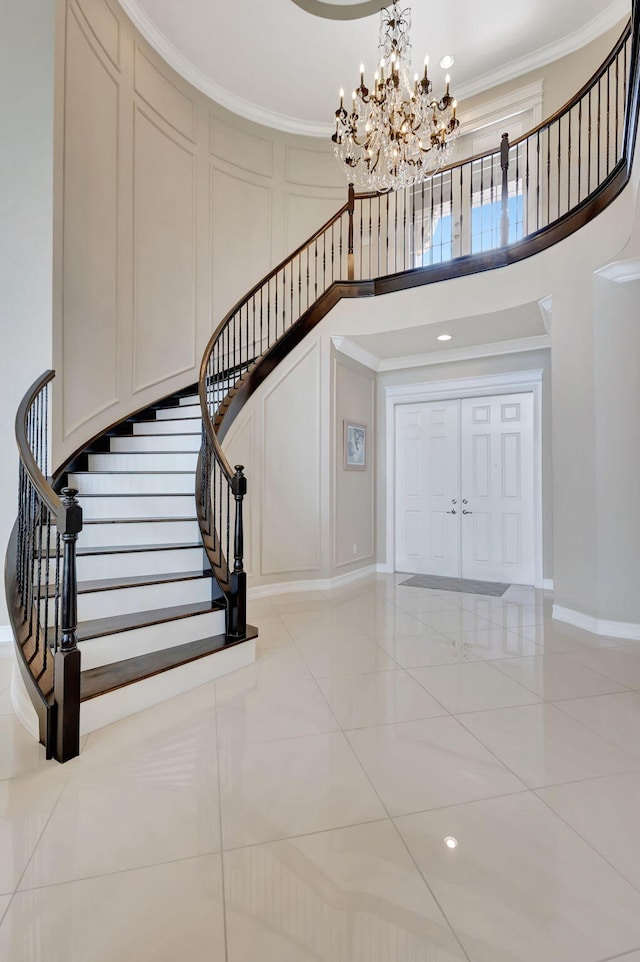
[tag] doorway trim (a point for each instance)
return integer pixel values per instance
(514, 382)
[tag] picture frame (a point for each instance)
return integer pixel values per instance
(355, 446)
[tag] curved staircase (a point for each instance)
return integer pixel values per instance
(151, 600)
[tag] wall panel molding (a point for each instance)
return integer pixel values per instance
(164, 97)
(104, 26)
(292, 469)
(164, 238)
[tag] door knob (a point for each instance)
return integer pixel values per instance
(464, 511)
(452, 512)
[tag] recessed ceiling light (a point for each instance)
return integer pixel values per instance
(447, 62)
(451, 842)
(444, 337)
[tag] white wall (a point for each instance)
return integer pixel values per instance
(173, 209)
(26, 218)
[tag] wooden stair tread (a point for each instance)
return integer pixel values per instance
(135, 520)
(137, 548)
(135, 581)
(115, 624)
(99, 681)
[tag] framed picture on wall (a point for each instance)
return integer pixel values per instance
(355, 446)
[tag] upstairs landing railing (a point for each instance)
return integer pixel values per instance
(485, 212)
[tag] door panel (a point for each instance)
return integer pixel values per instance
(427, 484)
(497, 484)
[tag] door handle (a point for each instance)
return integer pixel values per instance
(464, 511)
(452, 512)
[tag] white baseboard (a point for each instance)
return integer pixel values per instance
(317, 584)
(597, 626)
(547, 584)
(6, 641)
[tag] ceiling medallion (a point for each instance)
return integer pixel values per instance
(337, 10)
(395, 134)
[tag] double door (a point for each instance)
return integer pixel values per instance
(464, 488)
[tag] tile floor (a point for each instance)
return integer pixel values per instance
(297, 810)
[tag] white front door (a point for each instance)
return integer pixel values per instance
(464, 488)
(497, 521)
(428, 482)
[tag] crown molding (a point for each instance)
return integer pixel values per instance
(535, 343)
(193, 75)
(621, 272)
(618, 10)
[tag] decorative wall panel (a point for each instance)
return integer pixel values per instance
(90, 253)
(164, 255)
(246, 151)
(166, 99)
(291, 494)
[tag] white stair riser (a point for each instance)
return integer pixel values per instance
(169, 442)
(99, 566)
(131, 506)
(183, 411)
(188, 425)
(179, 482)
(193, 400)
(126, 601)
(163, 461)
(114, 705)
(139, 532)
(140, 641)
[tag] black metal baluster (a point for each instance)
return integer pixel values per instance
(579, 151)
(608, 120)
(599, 129)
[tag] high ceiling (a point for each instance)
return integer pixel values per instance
(276, 62)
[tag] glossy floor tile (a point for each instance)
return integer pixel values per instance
(544, 746)
(157, 914)
(615, 717)
(475, 686)
(378, 698)
(113, 818)
(26, 805)
(604, 812)
(292, 787)
(521, 885)
(620, 664)
(553, 677)
(269, 712)
(429, 764)
(275, 805)
(418, 651)
(352, 894)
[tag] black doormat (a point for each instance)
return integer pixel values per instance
(493, 588)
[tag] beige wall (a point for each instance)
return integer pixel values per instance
(26, 215)
(561, 79)
(173, 208)
(305, 511)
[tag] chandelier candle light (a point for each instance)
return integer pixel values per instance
(395, 134)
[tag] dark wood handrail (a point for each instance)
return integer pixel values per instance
(202, 382)
(40, 483)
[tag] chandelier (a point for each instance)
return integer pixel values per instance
(397, 133)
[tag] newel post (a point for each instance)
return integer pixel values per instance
(237, 619)
(67, 655)
(504, 163)
(351, 209)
